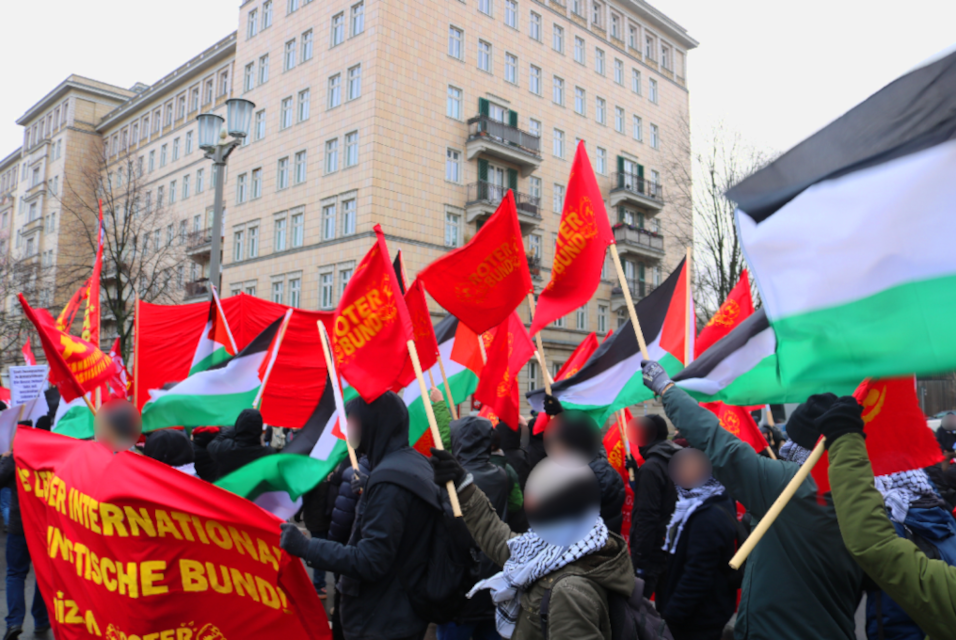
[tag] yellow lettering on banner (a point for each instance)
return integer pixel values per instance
(245, 584)
(151, 636)
(91, 627)
(184, 633)
(95, 569)
(219, 587)
(267, 593)
(127, 579)
(25, 479)
(112, 516)
(167, 634)
(150, 573)
(107, 565)
(265, 555)
(192, 575)
(139, 519)
(218, 534)
(199, 530)
(93, 515)
(80, 553)
(165, 525)
(243, 541)
(183, 520)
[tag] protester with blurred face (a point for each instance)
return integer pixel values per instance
(117, 425)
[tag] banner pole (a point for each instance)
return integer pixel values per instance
(772, 424)
(481, 348)
(452, 408)
(778, 506)
(273, 357)
(630, 302)
(689, 302)
(627, 446)
(431, 379)
(539, 353)
(89, 405)
(336, 391)
(432, 424)
(136, 351)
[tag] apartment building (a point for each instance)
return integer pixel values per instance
(415, 117)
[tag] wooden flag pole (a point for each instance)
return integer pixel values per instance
(539, 353)
(627, 448)
(452, 409)
(273, 357)
(432, 424)
(481, 348)
(771, 423)
(777, 506)
(135, 351)
(89, 405)
(630, 302)
(689, 302)
(336, 391)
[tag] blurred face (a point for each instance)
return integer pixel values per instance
(690, 468)
(117, 427)
(353, 430)
(949, 422)
(640, 432)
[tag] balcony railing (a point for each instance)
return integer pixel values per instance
(639, 289)
(484, 126)
(534, 264)
(490, 193)
(639, 185)
(198, 239)
(197, 288)
(628, 234)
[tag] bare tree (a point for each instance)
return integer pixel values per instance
(143, 245)
(698, 188)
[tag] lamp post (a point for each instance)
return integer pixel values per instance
(215, 142)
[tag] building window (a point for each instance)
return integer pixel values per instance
(581, 318)
(351, 149)
(253, 241)
(485, 6)
(280, 234)
(602, 318)
(532, 376)
(534, 245)
(293, 6)
(579, 50)
(599, 60)
(454, 103)
(600, 111)
(295, 291)
(282, 173)
(358, 18)
(452, 229)
(558, 143)
(288, 61)
(355, 82)
(453, 165)
(655, 137)
(632, 37)
(344, 276)
(223, 83)
(300, 167)
(185, 186)
(535, 29)
(267, 14)
(348, 216)
(304, 97)
(557, 93)
(534, 80)
(511, 68)
(560, 323)
(557, 203)
(172, 192)
(298, 229)
(511, 13)
(241, 188)
(306, 45)
(652, 90)
(636, 81)
(259, 132)
(601, 163)
(251, 289)
(285, 113)
(638, 126)
(579, 100)
(252, 23)
(619, 72)
(484, 56)
(534, 126)
(455, 40)
(332, 156)
(249, 77)
(207, 91)
(534, 186)
(619, 119)
(176, 149)
(557, 39)
(328, 221)
(277, 292)
(256, 183)
(338, 29)
(264, 69)
(325, 290)
(666, 58)
(335, 90)
(237, 245)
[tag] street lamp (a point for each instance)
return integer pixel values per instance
(214, 141)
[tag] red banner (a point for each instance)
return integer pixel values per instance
(425, 341)
(735, 309)
(616, 456)
(738, 421)
(91, 320)
(65, 320)
(127, 548)
(484, 281)
(580, 355)
(583, 237)
(498, 385)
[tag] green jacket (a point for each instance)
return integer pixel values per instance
(800, 582)
(578, 609)
(926, 589)
(443, 420)
(515, 498)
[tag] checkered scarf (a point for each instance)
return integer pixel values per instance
(688, 500)
(531, 559)
(902, 489)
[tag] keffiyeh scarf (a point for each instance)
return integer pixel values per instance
(688, 500)
(531, 559)
(902, 489)
(794, 453)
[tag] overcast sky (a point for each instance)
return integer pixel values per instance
(775, 71)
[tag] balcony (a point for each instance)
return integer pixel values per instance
(483, 200)
(197, 289)
(636, 190)
(534, 265)
(31, 227)
(198, 243)
(637, 241)
(499, 140)
(639, 290)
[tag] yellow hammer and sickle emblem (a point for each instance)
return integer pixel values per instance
(71, 346)
(873, 404)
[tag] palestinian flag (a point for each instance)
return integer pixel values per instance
(73, 419)
(849, 236)
(741, 369)
(216, 344)
(216, 396)
(611, 378)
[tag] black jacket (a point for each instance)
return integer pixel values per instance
(316, 510)
(169, 446)
(471, 444)
(344, 507)
(8, 479)
(946, 439)
(391, 533)
(238, 446)
(612, 492)
(654, 501)
(516, 456)
(697, 595)
(203, 462)
(536, 452)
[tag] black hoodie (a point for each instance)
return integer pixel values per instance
(654, 500)
(169, 446)
(516, 456)
(240, 445)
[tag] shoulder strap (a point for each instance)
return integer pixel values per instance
(742, 534)
(544, 612)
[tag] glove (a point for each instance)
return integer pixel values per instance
(293, 541)
(552, 406)
(358, 481)
(655, 378)
(446, 468)
(844, 416)
(630, 463)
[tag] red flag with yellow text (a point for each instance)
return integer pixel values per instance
(735, 309)
(125, 547)
(76, 366)
(616, 456)
(65, 320)
(578, 357)
(425, 341)
(371, 326)
(498, 385)
(583, 237)
(484, 281)
(738, 421)
(896, 435)
(91, 320)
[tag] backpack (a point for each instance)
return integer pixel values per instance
(735, 577)
(634, 617)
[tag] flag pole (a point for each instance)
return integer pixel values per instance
(215, 297)
(778, 506)
(136, 351)
(272, 360)
(689, 305)
(451, 400)
(539, 353)
(481, 348)
(432, 424)
(627, 446)
(630, 302)
(336, 391)
(772, 424)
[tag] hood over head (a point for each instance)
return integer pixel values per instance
(664, 449)
(384, 425)
(800, 426)
(169, 446)
(510, 438)
(578, 432)
(248, 427)
(471, 440)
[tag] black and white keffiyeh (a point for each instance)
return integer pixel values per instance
(531, 559)
(900, 490)
(688, 500)
(794, 453)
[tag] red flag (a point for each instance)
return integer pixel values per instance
(65, 320)
(583, 237)
(735, 309)
(896, 435)
(616, 456)
(484, 281)
(679, 321)
(28, 356)
(119, 388)
(371, 325)
(498, 386)
(580, 355)
(76, 366)
(425, 341)
(738, 421)
(91, 321)
(466, 351)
